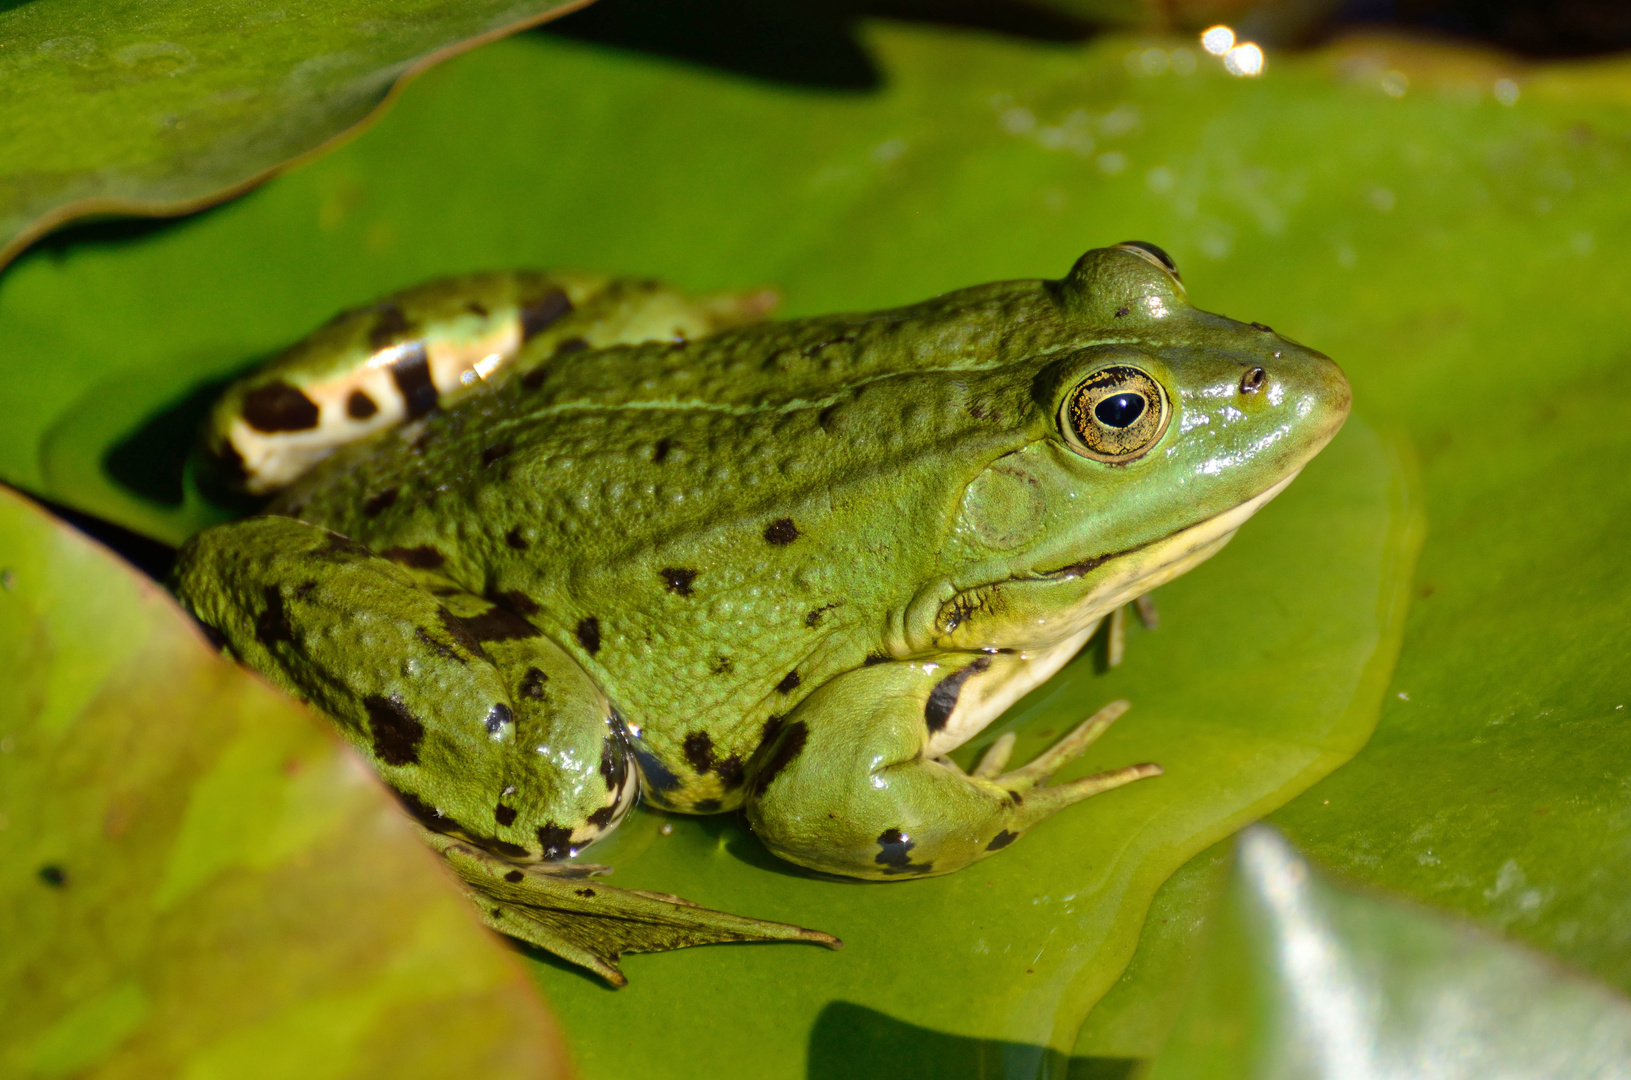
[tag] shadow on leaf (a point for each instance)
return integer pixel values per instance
(802, 44)
(852, 1042)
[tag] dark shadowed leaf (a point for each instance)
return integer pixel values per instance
(121, 106)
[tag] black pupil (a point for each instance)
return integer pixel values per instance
(1119, 410)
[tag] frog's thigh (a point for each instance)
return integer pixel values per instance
(394, 361)
(845, 786)
(485, 727)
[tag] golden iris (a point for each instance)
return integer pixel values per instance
(1115, 414)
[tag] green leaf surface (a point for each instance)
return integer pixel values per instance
(1459, 256)
(1495, 785)
(1303, 978)
(124, 106)
(198, 880)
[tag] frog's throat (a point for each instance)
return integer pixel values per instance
(1137, 571)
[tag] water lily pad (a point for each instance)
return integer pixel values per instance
(160, 108)
(1303, 978)
(199, 880)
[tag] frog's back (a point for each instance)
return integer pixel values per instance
(710, 527)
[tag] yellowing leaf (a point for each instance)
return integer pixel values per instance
(201, 882)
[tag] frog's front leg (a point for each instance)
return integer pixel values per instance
(844, 787)
(498, 742)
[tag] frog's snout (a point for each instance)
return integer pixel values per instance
(1308, 381)
(1333, 392)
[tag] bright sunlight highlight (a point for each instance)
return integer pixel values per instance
(1245, 59)
(1218, 40)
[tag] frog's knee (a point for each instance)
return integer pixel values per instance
(484, 727)
(377, 366)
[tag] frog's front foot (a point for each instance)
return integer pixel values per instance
(845, 787)
(562, 909)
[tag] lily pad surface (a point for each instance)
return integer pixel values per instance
(199, 880)
(1448, 225)
(1304, 978)
(122, 106)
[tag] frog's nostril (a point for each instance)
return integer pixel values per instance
(1253, 380)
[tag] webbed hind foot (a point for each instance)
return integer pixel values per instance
(563, 909)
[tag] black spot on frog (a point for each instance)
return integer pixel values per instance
(699, 751)
(516, 540)
(390, 325)
(814, 617)
(53, 875)
(279, 407)
(500, 624)
(272, 624)
(678, 580)
(781, 532)
(515, 600)
(537, 315)
(787, 748)
(1001, 840)
(894, 854)
(943, 698)
(532, 684)
(588, 634)
(375, 505)
(359, 406)
(603, 817)
(494, 453)
(614, 765)
(504, 815)
(422, 557)
(411, 373)
(515, 877)
(396, 732)
(789, 683)
(459, 630)
(556, 841)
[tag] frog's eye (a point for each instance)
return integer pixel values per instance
(1115, 414)
(1152, 255)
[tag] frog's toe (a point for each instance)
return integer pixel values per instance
(1064, 751)
(996, 756)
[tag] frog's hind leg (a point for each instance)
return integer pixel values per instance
(497, 742)
(375, 367)
(843, 785)
(484, 726)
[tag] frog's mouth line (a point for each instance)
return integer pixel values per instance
(1165, 552)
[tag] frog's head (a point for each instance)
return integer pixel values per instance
(1150, 438)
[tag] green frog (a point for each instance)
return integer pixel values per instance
(543, 544)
